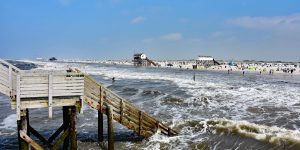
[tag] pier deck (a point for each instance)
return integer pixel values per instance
(69, 89)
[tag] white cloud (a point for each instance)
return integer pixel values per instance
(172, 37)
(289, 22)
(137, 20)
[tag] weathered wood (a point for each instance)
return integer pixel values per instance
(100, 126)
(56, 133)
(22, 126)
(66, 122)
(100, 117)
(28, 140)
(50, 98)
(10, 78)
(61, 139)
(110, 128)
(18, 98)
(73, 136)
(44, 103)
(39, 136)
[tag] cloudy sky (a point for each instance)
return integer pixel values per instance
(163, 29)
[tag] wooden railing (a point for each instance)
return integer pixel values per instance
(95, 94)
(8, 77)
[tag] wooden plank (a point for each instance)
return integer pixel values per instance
(68, 88)
(50, 95)
(41, 88)
(28, 140)
(18, 98)
(69, 85)
(34, 95)
(43, 103)
(34, 85)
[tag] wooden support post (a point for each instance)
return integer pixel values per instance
(73, 136)
(100, 127)
(100, 119)
(140, 122)
(22, 126)
(110, 128)
(50, 95)
(66, 123)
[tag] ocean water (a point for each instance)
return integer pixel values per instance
(217, 111)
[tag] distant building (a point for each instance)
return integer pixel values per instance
(140, 59)
(52, 59)
(205, 62)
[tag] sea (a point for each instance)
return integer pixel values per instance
(216, 111)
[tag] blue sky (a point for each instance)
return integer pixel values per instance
(163, 29)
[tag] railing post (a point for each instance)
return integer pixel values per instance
(140, 122)
(10, 81)
(50, 78)
(121, 111)
(18, 98)
(100, 118)
(110, 128)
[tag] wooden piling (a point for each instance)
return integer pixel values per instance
(66, 120)
(100, 126)
(73, 136)
(110, 128)
(22, 126)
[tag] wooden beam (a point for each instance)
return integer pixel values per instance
(39, 136)
(110, 128)
(29, 141)
(56, 133)
(61, 139)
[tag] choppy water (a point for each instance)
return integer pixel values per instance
(217, 111)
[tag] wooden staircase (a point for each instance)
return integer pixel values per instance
(95, 95)
(68, 89)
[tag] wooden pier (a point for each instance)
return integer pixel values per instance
(69, 89)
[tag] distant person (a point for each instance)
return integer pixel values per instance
(292, 71)
(228, 71)
(243, 73)
(113, 79)
(260, 72)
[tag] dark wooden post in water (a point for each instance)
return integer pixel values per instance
(66, 121)
(110, 128)
(100, 119)
(73, 136)
(23, 126)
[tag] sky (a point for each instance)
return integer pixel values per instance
(163, 29)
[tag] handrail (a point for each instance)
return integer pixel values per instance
(10, 65)
(123, 110)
